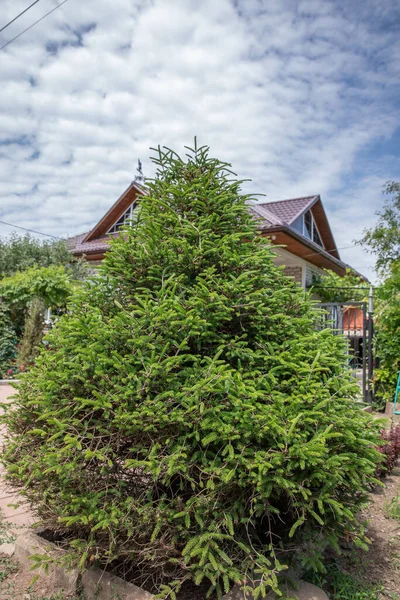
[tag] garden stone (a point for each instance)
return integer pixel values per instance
(105, 586)
(389, 408)
(7, 549)
(28, 544)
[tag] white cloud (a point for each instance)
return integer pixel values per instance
(295, 94)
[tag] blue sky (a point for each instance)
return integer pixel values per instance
(301, 96)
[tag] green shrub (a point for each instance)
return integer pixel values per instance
(392, 508)
(53, 285)
(345, 586)
(387, 341)
(8, 341)
(188, 418)
(335, 288)
(32, 336)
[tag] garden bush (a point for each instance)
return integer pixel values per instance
(8, 341)
(32, 336)
(187, 421)
(53, 285)
(389, 447)
(387, 341)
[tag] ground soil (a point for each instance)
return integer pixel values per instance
(18, 587)
(379, 566)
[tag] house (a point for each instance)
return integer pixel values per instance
(299, 226)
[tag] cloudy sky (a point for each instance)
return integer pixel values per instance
(300, 96)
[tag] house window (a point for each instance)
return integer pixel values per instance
(308, 225)
(310, 229)
(123, 220)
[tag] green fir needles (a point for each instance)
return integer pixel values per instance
(187, 421)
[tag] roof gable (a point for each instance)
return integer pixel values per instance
(115, 212)
(286, 212)
(274, 216)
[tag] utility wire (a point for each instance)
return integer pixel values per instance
(33, 24)
(31, 230)
(331, 250)
(18, 16)
(327, 287)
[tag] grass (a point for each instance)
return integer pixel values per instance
(343, 586)
(7, 567)
(392, 508)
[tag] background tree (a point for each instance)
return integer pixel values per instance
(32, 269)
(8, 340)
(190, 422)
(388, 334)
(19, 253)
(334, 288)
(383, 240)
(52, 285)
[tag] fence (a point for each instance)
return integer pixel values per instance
(352, 320)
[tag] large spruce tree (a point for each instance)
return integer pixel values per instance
(187, 418)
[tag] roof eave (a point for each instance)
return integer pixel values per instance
(310, 244)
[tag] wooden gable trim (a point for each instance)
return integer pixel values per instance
(324, 228)
(318, 212)
(117, 209)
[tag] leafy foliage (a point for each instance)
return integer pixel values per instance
(393, 508)
(33, 333)
(8, 340)
(388, 334)
(19, 253)
(188, 418)
(384, 239)
(344, 586)
(53, 285)
(390, 449)
(334, 288)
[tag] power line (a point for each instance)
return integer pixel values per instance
(328, 287)
(31, 230)
(18, 16)
(331, 250)
(33, 24)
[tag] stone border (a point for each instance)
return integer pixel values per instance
(8, 381)
(95, 584)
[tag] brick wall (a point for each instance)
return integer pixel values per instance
(295, 272)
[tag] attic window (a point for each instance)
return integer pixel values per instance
(310, 229)
(123, 220)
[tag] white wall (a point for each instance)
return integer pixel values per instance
(287, 259)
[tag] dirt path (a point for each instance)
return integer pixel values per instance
(380, 566)
(11, 508)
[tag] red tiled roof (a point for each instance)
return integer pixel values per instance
(260, 211)
(78, 246)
